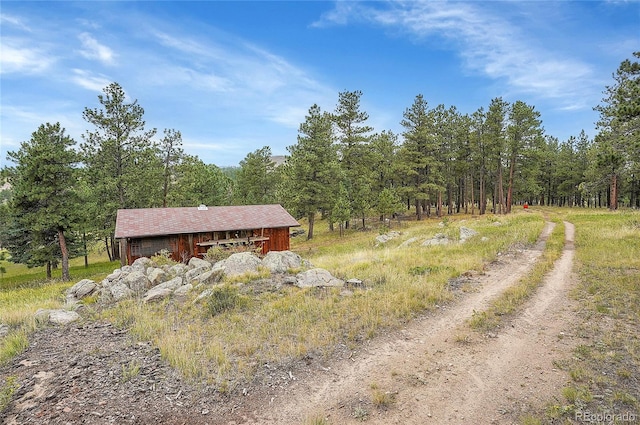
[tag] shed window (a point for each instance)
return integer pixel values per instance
(149, 247)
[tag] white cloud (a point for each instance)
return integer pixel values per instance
(252, 78)
(488, 43)
(17, 57)
(92, 49)
(85, 79)
(14, 21)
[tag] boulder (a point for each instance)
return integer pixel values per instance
(407, 242)
(183, 290)
(438, 239)
(281, 261)
(212, 276)
(156, 276)
(466, 233)
(156, 294)
(196, 262)
(136, 281)
(382, 239)
(317, 278)
(204, 294)
(57, 317)
(4, 330)
(194, 273)
(82, 289)
(172, 284)
(178, 269)
(63, 317)
(115, 275)
(240, 263)
(119, 291)
(142, 264)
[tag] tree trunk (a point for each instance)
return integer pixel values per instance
(65, 255)
(613, 202)
(500, 191)
(106, 245)
(482, 195)
(86, 253)
(418, 210)
(48, 269)
(311, 217)
(512, 168)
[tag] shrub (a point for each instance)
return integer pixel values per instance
(223, 298)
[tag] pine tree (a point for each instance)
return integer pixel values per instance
(311, 170)
(257, 178)
(45, 203)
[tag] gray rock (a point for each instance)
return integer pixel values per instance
(119, 291)
(281, 261)
(195, 262)
(438, 239)
(126, 269)
(183, 290)
(240, 263)
(382, 239)
(172, 284)
(193, 273)
(212, 276)
(82, 289)
(466, 233)
(317, 278)
(41, 315)
(178, 269)
(407, 242)
(136, 281)
(156, 294)
(142, 264)
(156, 276)
(115, 275)
(204, 294)
(4, 330)
(63, 317)
(354, 282)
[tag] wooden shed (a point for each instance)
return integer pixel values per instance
(191, 231)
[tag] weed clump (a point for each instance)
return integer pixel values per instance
(223, 298)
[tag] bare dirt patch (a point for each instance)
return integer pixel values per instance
(435, 370)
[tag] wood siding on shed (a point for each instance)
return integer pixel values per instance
(185, 246)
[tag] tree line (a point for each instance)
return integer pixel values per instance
(65, 195)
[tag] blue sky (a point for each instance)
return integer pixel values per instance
(233, 77)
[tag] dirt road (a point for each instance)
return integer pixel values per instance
(436, 370)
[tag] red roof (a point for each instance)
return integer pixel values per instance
(174, 221)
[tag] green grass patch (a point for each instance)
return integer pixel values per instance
(605, 365)
(515, 296)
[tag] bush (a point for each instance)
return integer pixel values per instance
(223, 298)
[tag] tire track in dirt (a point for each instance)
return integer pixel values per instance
(435, 374)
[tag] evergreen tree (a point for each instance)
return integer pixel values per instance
(353, 137)
(257, 178)
(311, 171)
(618, 142)
(171, 149)
(122, 165)
(44, 204)
(198, 183)
(524, 137)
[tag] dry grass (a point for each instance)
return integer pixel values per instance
(228, 343)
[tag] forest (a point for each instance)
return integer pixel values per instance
(64, 194)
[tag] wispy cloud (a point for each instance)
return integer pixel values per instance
(246, 73)
(92, 49)
(487, 41)
(14, 21)
(19, 57)
(89, 81)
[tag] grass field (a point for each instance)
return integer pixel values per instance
(247, 324)
(262, 325)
